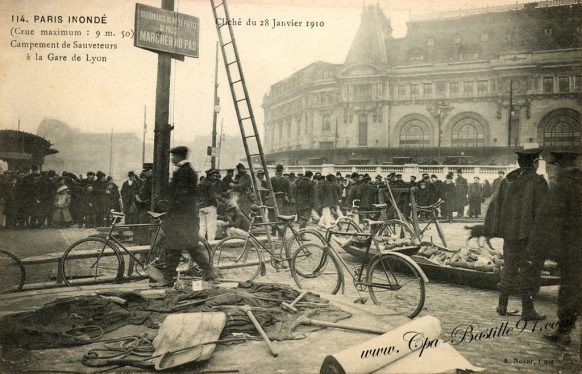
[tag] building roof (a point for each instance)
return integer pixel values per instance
(483, 36)
(369, 45)
(16, 143)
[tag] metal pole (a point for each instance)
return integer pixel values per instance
(162, 127)
(220, 144)
(111, 151)
(145, 127)
(215, 111)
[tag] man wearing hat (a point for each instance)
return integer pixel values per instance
(143, 202)
(497, 181)
(557, 231)
(207, 204)
(281, 189)
(476, 197)
(448, 194)
(462, 187)
(228, 182)
(181, 224)
(511, 216)
(243, 188)
(305, 198)
(129, 189)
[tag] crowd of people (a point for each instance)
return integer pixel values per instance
(46, 199)
(315, 197)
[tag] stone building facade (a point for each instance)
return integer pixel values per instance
(442, 90)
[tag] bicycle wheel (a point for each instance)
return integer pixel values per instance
(396, 228)
(237, 259)
(393, 281)
(315, 268)
(304, 236)
(91, 261)
(12, 273)
(347, 224)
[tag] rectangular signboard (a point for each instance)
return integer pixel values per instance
(162, 30)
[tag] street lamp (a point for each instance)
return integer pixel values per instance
(439, 111)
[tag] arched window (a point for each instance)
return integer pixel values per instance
(414, 134)
(562, 130)
(468, 132)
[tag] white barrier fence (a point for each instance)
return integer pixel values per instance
(489, 172)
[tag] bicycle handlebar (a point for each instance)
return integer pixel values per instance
(117, 214)
(433, 206)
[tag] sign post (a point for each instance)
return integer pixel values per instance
(171, 35)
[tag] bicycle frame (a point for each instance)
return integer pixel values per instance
(287, 225)
(370, 260)
(433, 219)
(109, 237)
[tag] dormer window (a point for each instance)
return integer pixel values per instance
(457, 39)
(430, 42)
(548, 31)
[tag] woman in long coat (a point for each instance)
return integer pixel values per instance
(61, 214)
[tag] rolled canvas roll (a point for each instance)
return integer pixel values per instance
(380, 351)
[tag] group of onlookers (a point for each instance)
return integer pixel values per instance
(38, 199)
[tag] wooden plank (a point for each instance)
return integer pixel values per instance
(55, 256)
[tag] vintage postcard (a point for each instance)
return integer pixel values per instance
(420, 160)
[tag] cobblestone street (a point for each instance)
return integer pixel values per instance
(523, 349)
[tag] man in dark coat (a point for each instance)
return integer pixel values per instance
(449, 195)
(181, 224)
(305, 198)
(462, 187)
(327, 195)
(228, 183)
(497, 181)
(475, 193)
(281, 189)
(366, 193)
(243, 189)
(511, 216)
(129, 189)
(144, 202)
(557, 231)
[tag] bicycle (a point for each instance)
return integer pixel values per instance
(398, 227)
(391, 277)
(12, 273)
(100, 258)
(241, 257)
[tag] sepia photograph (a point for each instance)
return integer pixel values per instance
(292, 186)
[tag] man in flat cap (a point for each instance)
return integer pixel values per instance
(144, 203)
(282, 190)
(129, 189)
(511, 216)
(208, 204)
(462, 187)
(556, 233)
(181, 224)
(243, 188)
(227, 183)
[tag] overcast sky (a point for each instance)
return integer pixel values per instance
(98, 97)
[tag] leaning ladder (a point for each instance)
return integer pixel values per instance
(242, 103)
